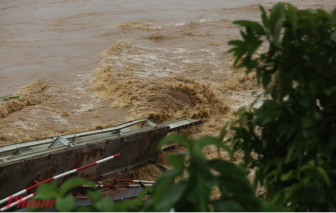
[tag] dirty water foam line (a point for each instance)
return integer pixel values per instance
(59, 176)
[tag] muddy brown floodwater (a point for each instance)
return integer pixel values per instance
(84, 64)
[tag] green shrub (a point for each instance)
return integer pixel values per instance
(297, 141)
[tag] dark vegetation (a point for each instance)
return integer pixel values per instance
(293, 132)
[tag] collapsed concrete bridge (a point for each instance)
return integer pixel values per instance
(22, 164)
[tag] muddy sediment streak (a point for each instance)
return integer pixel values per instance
(164, 99)
(161, 99)
(149, 80)
(29, 95)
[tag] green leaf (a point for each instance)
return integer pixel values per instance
(287, 176)
(171, 197)
(197, 157)
(104, 205)
(84, 209)
(264, 17)
(289, 154)
(239, 52)
(228, 169)
(266, 79)
(210, 140)
(224, 131)
(273, 206)
(201, 183)
(256, 27)
(94, 196)
(306, 122)
(47, 190)
(324, 175)
(276, 13)
(267, 112)
(333, 13)
(240, 191)
(228, 205)
(163, 183)
(236, 42)
(277, 30)
(304, 101)
(182, 139)
(292, 17)
(176, 160)
(64, 204)
(126, 206)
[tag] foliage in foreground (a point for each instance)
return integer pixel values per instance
(297, 141)
(192, 193)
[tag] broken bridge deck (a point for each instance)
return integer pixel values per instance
(136, 141)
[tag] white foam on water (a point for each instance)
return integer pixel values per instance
(93, 104)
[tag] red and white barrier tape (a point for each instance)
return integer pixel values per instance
(134, 181)
(59, 176)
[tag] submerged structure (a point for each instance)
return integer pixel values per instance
(22, 164)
